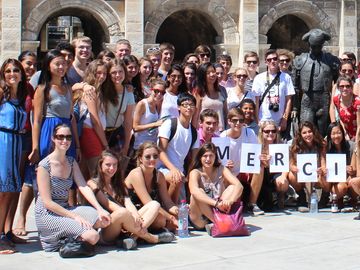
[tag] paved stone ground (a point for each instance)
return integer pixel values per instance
(283, 240)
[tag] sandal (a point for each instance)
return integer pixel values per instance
(15, 239)
(5, 248)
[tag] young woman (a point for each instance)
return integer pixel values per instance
(238, 93)
(119, 106)
(208, 94)
(307, 140)
(146, 115)
(106, 56)
(112, 194)
(52, 106)
(54, 218)
(191, 58)
(347, 104)
(145, 184)
(174, 86)
(133, 76)
(28, 60)
(145, 72)
(92, 110)
(265, 183)
(248, 107)
(190, 75)
(211, 185)
(337, 144)
(13, 93)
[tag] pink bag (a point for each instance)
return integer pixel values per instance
(231, 224)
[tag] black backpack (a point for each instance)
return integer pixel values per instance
(173, 131)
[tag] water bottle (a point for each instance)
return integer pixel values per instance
(313, 202)
(183, 227)
(334, 205)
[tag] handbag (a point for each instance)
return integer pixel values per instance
(229, 224)
(73, 248)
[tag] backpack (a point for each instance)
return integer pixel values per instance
(173, 131)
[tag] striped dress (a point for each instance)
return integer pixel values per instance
(52, 227)
(12, 120)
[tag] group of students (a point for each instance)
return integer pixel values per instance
(110, 145)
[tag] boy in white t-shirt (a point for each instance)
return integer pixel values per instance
(174, 150)
(238, 134)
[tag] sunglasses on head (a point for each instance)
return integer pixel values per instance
(153, 49)
(61, 137)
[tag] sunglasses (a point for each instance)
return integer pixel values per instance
(15, 70)
(202, 55)
(346, 71)
(148, 157)
(345, 86)
(251, 62)
(157, 91)
(61, 137)
(273, 131)
(241, 76)
(236, 120)
(287, 60)
(271, 59)
(153, 49)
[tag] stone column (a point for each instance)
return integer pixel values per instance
(348, 26)
(10, 28)
(134, 25)
(248, 27)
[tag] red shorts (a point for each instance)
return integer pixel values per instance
(90, 143)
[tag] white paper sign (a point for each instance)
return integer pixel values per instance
(223, 148)
(307, 166)
(279, 161)
(336, 168)
(250, 161)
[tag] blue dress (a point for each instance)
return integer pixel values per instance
(12, 121)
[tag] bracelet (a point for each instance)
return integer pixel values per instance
(285, 117)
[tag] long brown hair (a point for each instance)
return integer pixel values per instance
(117, 181)
(207, 147)
(142, 148)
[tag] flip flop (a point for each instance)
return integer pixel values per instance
(20, 231)
(5, 249)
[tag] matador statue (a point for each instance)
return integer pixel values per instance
(314, 73)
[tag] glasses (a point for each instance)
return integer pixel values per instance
(15, 70)
(188, 105)
(237, 120)
(202, 55)
(241, 76)
(61, 137)
(273, 131)
(153, 49)
(345, 86)
(251, 62)
(148, 157)
(271, 59)
(347, 71)
(287, 60)
(157, 91)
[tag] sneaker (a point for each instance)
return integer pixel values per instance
(255, 210)
(303, 209)
(127, 243)
(166, 237)
(208, 228)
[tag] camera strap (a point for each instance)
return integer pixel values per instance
(276, 79)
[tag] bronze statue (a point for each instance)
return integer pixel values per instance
(314, 73)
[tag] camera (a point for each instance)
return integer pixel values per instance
(274, 107)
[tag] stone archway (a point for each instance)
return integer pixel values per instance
(224, 24)
(310, 13)
(100, 10)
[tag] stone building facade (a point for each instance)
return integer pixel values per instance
(234, 26)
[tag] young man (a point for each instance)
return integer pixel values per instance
(251, 62)
(274, 90)
(239, 134)
(174, 150)
(83, 51)
(209, 124)
(204, 53)
(167, 57)
(123, 47)
(154, 54)
(226, 62)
